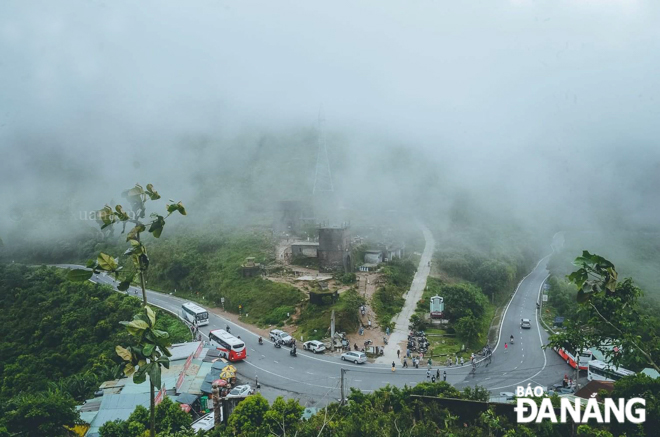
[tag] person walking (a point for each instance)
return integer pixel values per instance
(505, 347)
(462, 361)
(437, 373)
(398, 353)
(456, 360)
(433, 378)
(405, 363)
(387, 331)
(429, 362)
(444, 376)
(393, 366)
(428, 374)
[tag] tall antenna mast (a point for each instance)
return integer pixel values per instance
(323, 176)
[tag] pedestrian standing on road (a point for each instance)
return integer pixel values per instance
(405, 363)
(398, 353)
(505, 347)
(444, 376)
(457, 360)
(428, 374)
(429, 362)
(393, 366)
(437, 373)
(462, 361)
(433, 378)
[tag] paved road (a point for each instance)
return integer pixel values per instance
(315, 379)
(400, 333)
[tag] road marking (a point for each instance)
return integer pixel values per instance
(291, 368)
(309, 373)
(275, 362)
(545, 358)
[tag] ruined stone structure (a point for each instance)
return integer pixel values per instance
(334, 249)
(250, 269)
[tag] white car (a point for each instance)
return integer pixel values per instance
(314, 346)
(240, 391)
(356, 357)
(281, 336)
(525, 324)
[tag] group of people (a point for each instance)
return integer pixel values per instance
(456, 360)
(568, 382)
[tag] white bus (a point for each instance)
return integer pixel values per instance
(195, 314)
(232, 348)
(600, 371)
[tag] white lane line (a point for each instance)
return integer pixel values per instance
(292, 380)
(545, 358)
(275, 362)
(291, 368)
(499, 337)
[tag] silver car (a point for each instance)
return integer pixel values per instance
(525, 324)
(356, 357)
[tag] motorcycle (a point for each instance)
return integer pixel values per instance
(277, 344)
(261, 341)
(293, 352)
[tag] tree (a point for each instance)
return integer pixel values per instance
(468, 328)
(137, 198)
(170, 420)
(41, 414)
(283, 416)
(464, 300)
(608, 316)
(639, 386)
(248, 415)
(494, 276)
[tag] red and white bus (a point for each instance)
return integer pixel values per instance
(582, 361)
(231, 347)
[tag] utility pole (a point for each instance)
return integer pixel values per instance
(332, 331)
(341, 388)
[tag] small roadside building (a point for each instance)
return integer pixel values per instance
(309, 249)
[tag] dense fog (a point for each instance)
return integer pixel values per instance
(541, 113)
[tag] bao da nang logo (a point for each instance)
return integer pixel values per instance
(619, 410)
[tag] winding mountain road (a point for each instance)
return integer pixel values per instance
(316, 378)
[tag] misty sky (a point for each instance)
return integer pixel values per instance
(530, 105)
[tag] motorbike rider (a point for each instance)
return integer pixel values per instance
(228, 329)
(261, 340)
(511, 339)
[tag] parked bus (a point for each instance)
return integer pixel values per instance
(601, 371)
(195, 314)
(583, 360)
(231, 348)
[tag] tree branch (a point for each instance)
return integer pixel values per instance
(646, 354)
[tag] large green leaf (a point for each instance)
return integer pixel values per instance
(123, 285)
(148, 349)
(164, 361)
(152, 315)
(133, 233)
(79, 275)
(124, 353)
(153, 194)
(136, 327)
(120, 213)
(129, 369)
(141, 375)
(156, 227)
(106, 262)
(154, 374)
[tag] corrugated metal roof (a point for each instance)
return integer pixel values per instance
(115, 407)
